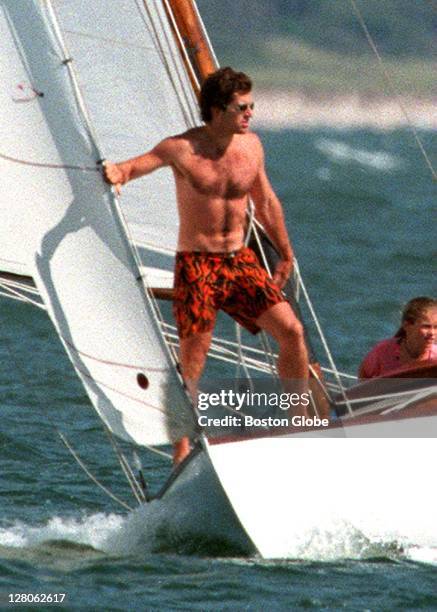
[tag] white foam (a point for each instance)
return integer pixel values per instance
(94, 530)
(422, 554)
(136, 533)
(342, 152)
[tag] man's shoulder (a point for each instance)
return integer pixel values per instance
(194, 133)
(176, 144)
(177, 140)
(252, 138)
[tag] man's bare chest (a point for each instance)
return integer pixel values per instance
(230, 176)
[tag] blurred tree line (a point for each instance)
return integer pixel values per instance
(400, 28)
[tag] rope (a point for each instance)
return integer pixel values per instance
(391, 87)
(26, 162)
(112, 363)
(122, 393)
(189, 115)
(241, 361)
(135, 487)
(89, 474)
(16, 295)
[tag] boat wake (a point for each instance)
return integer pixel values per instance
(143, 532)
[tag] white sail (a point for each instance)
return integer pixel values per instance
(137, 93)
(81, 262)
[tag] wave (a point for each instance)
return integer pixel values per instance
(337, 150)
(142, 532)
(95, 531)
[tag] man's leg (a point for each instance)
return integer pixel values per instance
(281, 322)
(192, 357)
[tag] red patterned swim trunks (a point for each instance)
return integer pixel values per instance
(233, 282)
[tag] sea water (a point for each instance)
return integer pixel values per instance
(358, 206)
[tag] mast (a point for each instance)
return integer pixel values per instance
(183, 15)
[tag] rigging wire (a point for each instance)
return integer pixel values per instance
(179, 89)
(13, 293)
(392, 88)
(134, 485)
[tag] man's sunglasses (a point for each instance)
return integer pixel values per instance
(242, 108)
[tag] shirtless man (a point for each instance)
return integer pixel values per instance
(216, 168)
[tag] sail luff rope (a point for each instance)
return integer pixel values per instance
(67, 60)
(391, 87)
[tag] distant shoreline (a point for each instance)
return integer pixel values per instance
(287, 109)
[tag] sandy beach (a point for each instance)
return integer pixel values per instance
(285, 109)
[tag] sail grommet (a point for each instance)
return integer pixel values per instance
(142, 380)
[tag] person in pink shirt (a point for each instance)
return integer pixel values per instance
(415, 342)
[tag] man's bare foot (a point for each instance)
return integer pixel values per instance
(181, 449)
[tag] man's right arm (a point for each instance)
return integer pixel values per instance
(118, 174)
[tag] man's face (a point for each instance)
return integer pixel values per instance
(239, 112)
(421, 334)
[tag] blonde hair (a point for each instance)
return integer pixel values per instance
(413, 310)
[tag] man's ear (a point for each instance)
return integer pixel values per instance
(217, 110)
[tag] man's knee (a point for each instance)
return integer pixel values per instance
(292, 331)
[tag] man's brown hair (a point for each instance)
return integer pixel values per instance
(218, 90)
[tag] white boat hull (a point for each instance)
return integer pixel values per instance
(195, 509)
(287, 496)
(311, 488)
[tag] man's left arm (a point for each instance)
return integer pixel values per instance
(268, 211)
